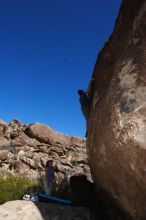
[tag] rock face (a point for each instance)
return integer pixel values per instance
(24, 210)
(25, 149)
(116, 141)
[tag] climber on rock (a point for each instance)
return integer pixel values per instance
(85, 106)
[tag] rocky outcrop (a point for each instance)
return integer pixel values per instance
(24, 210)
(24, 149)
(116, 140)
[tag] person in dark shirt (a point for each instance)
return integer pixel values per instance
(49, 177)
(85, 106)
(49, 180)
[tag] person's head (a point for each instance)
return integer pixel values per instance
(80, 92)
(49, 163)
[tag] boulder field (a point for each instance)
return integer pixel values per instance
(24, 149)
(116, 142)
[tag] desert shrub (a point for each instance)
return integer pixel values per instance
(13, 187)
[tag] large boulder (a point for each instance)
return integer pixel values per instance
(116, 140)
(47, 135)
(3, 142)
(4, 155)
(3, 127)
(24, 210)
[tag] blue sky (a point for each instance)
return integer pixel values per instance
(48, 50)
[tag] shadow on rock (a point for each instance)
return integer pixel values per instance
(85, 194)
(63, 212)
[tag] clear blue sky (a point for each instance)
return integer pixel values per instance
(48, 49)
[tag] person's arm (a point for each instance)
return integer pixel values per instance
(46, 174)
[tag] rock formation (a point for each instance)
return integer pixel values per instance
(116, 142)
(24, 149)
(24, 210)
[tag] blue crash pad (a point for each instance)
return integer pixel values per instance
(53, 199)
